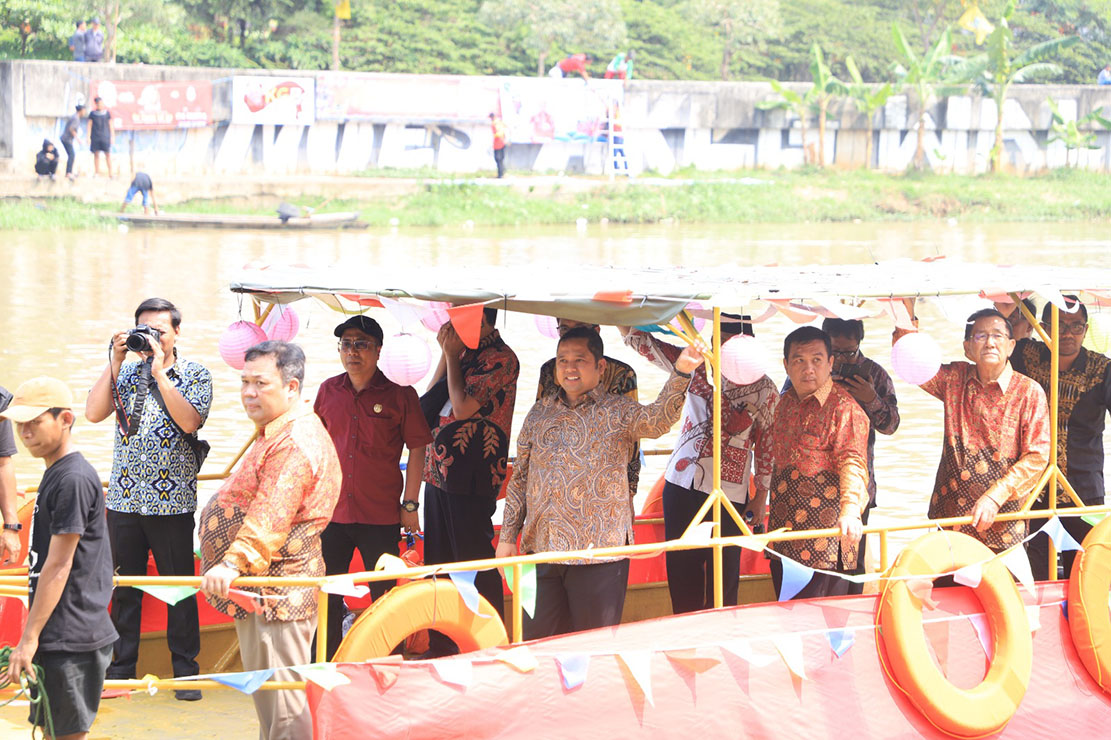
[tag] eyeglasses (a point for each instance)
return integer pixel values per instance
(359, 345)
(981, 337)
(845, 354)
(1077, 327)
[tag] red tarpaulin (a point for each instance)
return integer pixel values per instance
(721, 673)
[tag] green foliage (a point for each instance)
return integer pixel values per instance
(1075, 134)
(738, 24)
(556, 27)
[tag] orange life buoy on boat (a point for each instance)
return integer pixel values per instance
(421, 605)
(654, 504)
(1089, 619)
(967, 713)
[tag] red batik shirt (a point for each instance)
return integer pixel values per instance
(819, 472)
(996, 443)
(267, 518)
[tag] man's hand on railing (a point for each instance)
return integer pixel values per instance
(505, 550)
(983, 513)
(218, 580)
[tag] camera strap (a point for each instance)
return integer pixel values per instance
(141, 390)
(199, 446)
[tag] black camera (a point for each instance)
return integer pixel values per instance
(141, 337)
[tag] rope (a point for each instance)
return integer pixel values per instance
(40, 702)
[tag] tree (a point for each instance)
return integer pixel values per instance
(1071, 134)
(993, 71)
(923, 74)
(740, 23)
(868, 99)
(826, 88)
(798, 103)
(558, 25)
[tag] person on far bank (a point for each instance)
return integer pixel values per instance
(9, 496)
(46, 161)
(77, 42)
(570, 485)
(620, 67)
(158, 403)
(1104, 77)
(571, 65)
(94, 42)
(500, 142)
(70, 131)
(101, 132)
(140, 185)
(68, 632)
(370, 419)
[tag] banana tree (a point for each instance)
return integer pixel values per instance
(826, 88)
(868, 99)
(1071, 134)
(924, 75)
(798, 103)
(993, 71)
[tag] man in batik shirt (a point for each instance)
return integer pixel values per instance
(996, 440)
(819, 472)
(1083, 400)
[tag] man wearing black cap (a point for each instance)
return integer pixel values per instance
(369, 418)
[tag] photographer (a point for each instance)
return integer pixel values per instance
(159, 404)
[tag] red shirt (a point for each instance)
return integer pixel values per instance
(369, 429)
(573, 63)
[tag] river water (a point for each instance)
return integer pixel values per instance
(67, 293)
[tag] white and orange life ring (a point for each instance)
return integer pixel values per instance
(1089, 619)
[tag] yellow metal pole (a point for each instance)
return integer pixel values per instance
(883, 551)
(321, 626)
(518, 617)
(1054, 394)
(719, 595)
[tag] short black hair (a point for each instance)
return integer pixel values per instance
(1070, 300)
(491, 315)
(79, 108)
(593, 340)
(289, 358)
(97, 98)
(851, 328)
(984, 313)
(159, 305)
(805, 335)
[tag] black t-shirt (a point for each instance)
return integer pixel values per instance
(142, 181)
(7, 439)
(100, 130)
(71, 501)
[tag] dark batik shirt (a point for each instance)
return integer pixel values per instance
(1083, 400)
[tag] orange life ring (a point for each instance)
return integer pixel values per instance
(654, 504)
(1089, 619)
(421, 605)
(967, 713)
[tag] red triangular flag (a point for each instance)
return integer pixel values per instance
(467, 321)
(386, 671)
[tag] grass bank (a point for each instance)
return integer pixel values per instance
(749, 197)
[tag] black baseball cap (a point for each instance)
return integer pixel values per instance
(365, 324)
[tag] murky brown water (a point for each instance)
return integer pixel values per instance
(65, 294)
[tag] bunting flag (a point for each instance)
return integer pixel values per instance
(840, 640)
(937, 637)
(245, 600)
(790, 649)
(795, 578)
(246, 681)
(408, 316)
(456, 671)
(690, 660)
(464, 583)
(170, 594)
(386, 671)
(983, 632)
(639, 666)
(344, 586)
(751, 543)
(1034, 617)
(614, 296)
(572, 669)
(701, 533)
(1093, 519)
(391, 563)
(743, 650)
(323, 675)
(519, 658)
(1054, 296)
(797, 313)
(900, 315)
(846, 311)
(1019, 564)
(1062, 540)
(1065, 610)
(970, 575)
(467, 321)
(528, 585)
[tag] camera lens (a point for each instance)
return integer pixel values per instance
(137, 342)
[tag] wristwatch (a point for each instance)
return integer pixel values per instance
(410, 506)
(13, 527)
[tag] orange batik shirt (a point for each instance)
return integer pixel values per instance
(996, 442)
(267, 518)
(819, 472)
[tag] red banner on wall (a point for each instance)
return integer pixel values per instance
(156, 105)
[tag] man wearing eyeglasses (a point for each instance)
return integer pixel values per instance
(1083, 400)
(996, 440)
(370, 418)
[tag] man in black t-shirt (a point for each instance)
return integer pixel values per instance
(68, 632)
(100, 135)
(9, 535)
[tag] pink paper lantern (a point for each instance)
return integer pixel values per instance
(743, 360)
(435, 316)
(405, 359)
(698, 321)
(282, 324)
(239, 337)
(916, 358)
(547, 325)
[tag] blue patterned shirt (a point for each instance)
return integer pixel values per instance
(154, 470)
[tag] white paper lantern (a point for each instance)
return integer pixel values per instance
(405, 359)
(698, 321)
(435, 316)
(547, 325)
(743, 360)
(916, 358)
(1098, 338)
(237, 339)
(282, 324)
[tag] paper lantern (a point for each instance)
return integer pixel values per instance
(698, 321)
(282, 324)
(916, 358)
(1098, 338)
(547, 325)
(405, 359)
(239, 337)
(436, 315)
(743, 360)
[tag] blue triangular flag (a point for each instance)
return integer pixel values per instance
(464, 583)
(1062, 540)
(795, 577)
(247, 681)
(841, 641)
(1065, 610)
(572, 667)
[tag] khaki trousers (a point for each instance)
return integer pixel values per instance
(282, 715)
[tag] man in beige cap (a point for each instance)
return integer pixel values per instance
(68, 631)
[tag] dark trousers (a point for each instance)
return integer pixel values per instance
(821, 584)
(499, 160)
(170, 540)
(1037, 549)
(690, 573)
(459, 527)
(572, 598)
(70, 155)
(858, 588)
(338, 543)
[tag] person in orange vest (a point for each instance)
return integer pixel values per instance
(500, 141)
